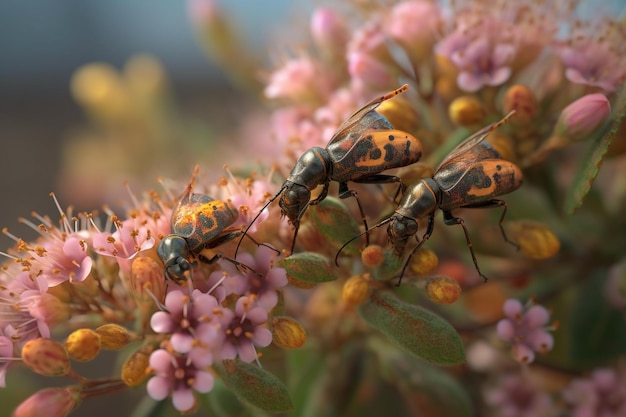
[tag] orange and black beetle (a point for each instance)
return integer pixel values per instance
(198, 222)
(469, 177)
(362, 147)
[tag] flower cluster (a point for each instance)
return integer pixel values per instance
(198, 282)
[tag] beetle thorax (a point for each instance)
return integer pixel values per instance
(312, 168)
(420, 199)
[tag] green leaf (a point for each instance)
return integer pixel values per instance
(591, 331)
(255, 385)
(426, 386)
(336, 223)
(308, 267)
(591, 162)
(415, 329)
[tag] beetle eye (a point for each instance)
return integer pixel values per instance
(296, 196)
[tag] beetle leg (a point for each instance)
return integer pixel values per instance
(449, 219)
(492, 204)
(345, 192)
(429, 232)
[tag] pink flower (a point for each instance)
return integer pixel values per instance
(595, 55)
(23, 318)
(519, 396)
(262, 280)
(415, 24)
(177, 375)
(189, 319)
(603, 394)
(526, 328)
(481, 57)
(6, 357)
(584, 116)
(329, 32)
(245, 331)
(301, 79)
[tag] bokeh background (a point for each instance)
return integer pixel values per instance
(42, 44)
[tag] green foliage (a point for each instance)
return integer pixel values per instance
(336, 223)
(255, 385)
(415, 329)
(308, 267)
(592, 159)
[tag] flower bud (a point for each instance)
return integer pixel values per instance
(114, 336)
(467, 111)
(356, 290)
(582, 117)
(443, 290)
(287, 333)
(147, 277)
(503, 144)
(535, 240)
(372, 256)
(400, 113)
(49, 402)
(372, 72)
(46, 357)
(520, 98)
(329, 32)
(424, 261)
(83, 344)
(99, 88)
(135, 369)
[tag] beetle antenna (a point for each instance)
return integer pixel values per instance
(384, 222)
(245, 232)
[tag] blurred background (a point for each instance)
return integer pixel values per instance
(43, 43)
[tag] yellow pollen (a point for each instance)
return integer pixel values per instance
(248, 335)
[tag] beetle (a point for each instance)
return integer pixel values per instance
(470, 176)
(362, 147)
(198, 222)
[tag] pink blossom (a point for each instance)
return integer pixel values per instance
(246, 331)
(526, 328)
(178, 376)
(594, 63)
(329, 32)
(130, 238)
(263, 278)
(602, 394)
(300, 79)
(415, 24)
(189, 318)
(518, 396)
(6, 357)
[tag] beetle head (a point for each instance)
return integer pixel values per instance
(294, 200)
(400, 229)
(173, 252)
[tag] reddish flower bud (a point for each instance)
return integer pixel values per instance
(443, 289)
(372, 256)
(521, 99)
(287, 333)
(46, 357)
(50, 402)
(83, 344)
